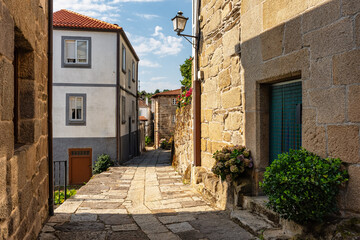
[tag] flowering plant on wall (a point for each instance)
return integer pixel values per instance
(184, 99)
(231, 162)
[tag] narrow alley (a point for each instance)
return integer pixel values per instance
(144, 199)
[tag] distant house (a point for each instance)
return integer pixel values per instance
(95, 103)
(145, 115)
(164, 107)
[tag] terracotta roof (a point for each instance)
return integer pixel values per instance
(168, 93)
(142, 103)
(66, 18)
(142, 118)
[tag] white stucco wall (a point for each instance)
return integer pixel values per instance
(144, 112)
(124, 76)
(100, 112)
(103, 58)
(128, 113)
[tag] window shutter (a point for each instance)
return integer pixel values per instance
(70, 50)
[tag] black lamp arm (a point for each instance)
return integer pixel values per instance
(184, 35)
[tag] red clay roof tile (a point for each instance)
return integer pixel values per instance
(168, 93)
(142, 118)
(66, 18)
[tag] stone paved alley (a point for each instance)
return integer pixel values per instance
(144, 199)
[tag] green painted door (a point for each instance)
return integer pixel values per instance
(285, 118)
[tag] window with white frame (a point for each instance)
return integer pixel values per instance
(123, 109)
(133, 71)
(76, 52)
(75, 109)
(123, 58)
(174, 101)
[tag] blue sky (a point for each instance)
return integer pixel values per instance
(148, 25)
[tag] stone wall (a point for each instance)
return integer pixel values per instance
(183, 140)
(318, 42)
(246, 46)
(221, 92)
(164, 112)
(24, 179)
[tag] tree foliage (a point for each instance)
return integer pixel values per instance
(185, 70)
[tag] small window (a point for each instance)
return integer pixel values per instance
(174, 101)
(129, 78)
(75, 109)
(123, 58)
(123, 110)
(173, 118)
(76, 52)
(133, 71)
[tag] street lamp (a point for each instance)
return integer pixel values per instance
(179, 22)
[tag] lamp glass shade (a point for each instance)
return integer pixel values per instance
(179, 22)
(175, 23)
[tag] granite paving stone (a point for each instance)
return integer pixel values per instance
(142, 199)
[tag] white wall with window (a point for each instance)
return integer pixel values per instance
(128, 67)
(84, 112)
(130, 112)
(84, 57)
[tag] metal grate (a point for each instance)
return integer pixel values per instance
(80, 153)
(285, 118)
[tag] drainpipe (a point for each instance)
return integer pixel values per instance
(196, 91)
(50, 133)
(117, 118)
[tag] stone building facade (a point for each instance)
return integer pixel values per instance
(24, 179)
(164, 105)
(184, 141)
(248, 48)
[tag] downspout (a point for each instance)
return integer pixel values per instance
(196, 90)
(50, 99)
(138, 151)
(117, 119)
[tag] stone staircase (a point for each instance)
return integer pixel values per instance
(254, 216)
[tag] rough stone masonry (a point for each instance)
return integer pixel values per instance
(23, 124)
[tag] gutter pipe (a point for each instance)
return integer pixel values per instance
(196, 89)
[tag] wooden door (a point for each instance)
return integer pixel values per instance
(285, 118)
(80, 165)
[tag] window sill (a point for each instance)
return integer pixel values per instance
(82, 123)
(76, 65)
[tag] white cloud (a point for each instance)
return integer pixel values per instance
(148, 63)
(119, 1)
(157, 78)
(158, 44)
(147, 16)
(88, 7)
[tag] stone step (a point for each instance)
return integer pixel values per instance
(285, 228)
(251, 222)
(257, 205)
